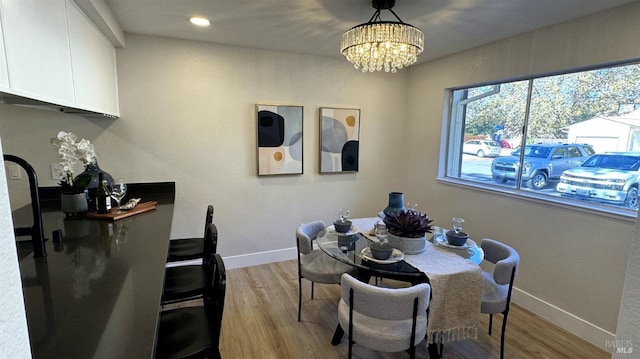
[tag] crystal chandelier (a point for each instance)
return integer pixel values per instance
(379, 44)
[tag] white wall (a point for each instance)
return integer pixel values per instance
(628, 331)
(573, 263)
(14, 336)
(194, 120)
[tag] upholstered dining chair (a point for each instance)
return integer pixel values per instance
(190, 281)
(184, 249)
(194, 332)
(496, 293)
(313, 264)
(384, 319)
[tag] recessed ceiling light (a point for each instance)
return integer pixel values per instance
(200, 21)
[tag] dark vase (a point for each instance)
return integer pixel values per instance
(396, 203)
(94, 170)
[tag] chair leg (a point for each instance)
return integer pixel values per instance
(337, 335)
(432, 349)
(299, 297)
(490, 322)
(504, 326)
(311, 290)
(412, 352)
(350, 336)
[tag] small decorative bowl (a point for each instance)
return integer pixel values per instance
(381, 251)
(457, 239)
(342, 227)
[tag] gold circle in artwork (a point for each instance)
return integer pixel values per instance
(351, 121)
(277, 156)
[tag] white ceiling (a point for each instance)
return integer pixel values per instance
(315, 26)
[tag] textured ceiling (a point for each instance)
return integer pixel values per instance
(315, 26)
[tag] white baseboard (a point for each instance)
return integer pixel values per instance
(247, 260)
(191, 262)
(567, 321)
(254, 259)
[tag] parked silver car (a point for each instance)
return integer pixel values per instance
(606, 177)
(481, 148)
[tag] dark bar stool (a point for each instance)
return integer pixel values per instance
(194, 332)
(189, 248)
(189, 282)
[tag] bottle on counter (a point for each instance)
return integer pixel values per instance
(103, 196)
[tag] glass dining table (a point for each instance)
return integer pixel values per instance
(350, 248)
(453, 273)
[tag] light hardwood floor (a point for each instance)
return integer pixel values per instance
(260, 321)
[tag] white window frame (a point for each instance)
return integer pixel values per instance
(451, 153)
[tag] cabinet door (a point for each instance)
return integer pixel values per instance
(94, 64)
(4, 75)
(37, 49)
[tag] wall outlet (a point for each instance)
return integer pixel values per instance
(56, 171)
(14, 172)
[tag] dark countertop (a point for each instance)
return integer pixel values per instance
(96, 294)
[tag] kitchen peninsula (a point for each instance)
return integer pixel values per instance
(97, 293)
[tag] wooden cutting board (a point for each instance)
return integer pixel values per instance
(113, 216)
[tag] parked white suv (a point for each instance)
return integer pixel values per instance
(605, 177)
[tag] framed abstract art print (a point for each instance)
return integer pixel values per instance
(279, 139)
(339, 139)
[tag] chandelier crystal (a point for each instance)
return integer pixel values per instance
(377, 44)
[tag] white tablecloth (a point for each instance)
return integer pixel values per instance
(456, 286)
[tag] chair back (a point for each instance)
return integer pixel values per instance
(505, 258)
(209, 218)
(210, 245)
(385, 303)
(209, 248)
(214, 299)
(306, 234)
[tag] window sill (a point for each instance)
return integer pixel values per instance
(558, 202)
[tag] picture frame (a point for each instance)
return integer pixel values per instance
(339, 139)
(279, 139)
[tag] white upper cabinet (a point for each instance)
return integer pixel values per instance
(37, 50)
(55, 54)
(93, 60)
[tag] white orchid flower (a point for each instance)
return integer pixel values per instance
(72, 151)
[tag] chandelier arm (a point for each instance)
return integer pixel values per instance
(375, 16)
(396, 15)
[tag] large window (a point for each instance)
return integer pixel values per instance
(568, 138)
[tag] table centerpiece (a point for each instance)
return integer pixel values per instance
(408, 230)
